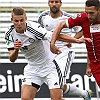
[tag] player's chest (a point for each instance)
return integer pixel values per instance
(50, 23)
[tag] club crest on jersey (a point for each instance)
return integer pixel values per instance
(31, 40)
(74, 16)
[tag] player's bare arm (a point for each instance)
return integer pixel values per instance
(88, 70)
(65, 38)
(57, 31)
(56, 50)
(77, 36)
(13, 54)
(55, 35)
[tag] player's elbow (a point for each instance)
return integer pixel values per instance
(12, 60)
(63, 24)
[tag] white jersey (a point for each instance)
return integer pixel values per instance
(40, 68)
(49, 23)
(32, 43)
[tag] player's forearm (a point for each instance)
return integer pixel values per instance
(78, 35)
(13, 55)
(88, 62)
(57, 31)
(66, 38)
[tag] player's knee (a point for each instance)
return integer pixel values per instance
(25, 97)
(56, 98)
(56, 94)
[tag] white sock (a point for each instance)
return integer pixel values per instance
(73, 90)
(62, 93)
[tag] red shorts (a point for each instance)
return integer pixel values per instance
(95, 69)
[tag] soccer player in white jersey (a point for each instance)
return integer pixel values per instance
(28, 37)
(49, 20)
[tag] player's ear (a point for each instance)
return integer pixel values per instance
(48, 2)
(26, 17)
(60, 3)
(11, 19)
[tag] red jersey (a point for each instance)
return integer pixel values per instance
(93, 48)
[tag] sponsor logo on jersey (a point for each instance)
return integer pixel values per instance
(7, 42)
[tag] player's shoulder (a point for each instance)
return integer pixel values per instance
(9, 29)
(82, 15)
(8, 32)
(44, 13)
(64, 13)
(32, 23)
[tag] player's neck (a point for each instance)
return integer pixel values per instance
(58, 14)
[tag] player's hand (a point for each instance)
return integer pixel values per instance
(17, 44)
(88, 72)
(68, 45)
(54, 49)
(82, 40)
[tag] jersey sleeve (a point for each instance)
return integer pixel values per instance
(76, 20)
(10, 45)
(40, 32)
(46, 35)
(42, 17)
(9, 40)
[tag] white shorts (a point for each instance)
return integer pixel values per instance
(36, 76)
(64, 61)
